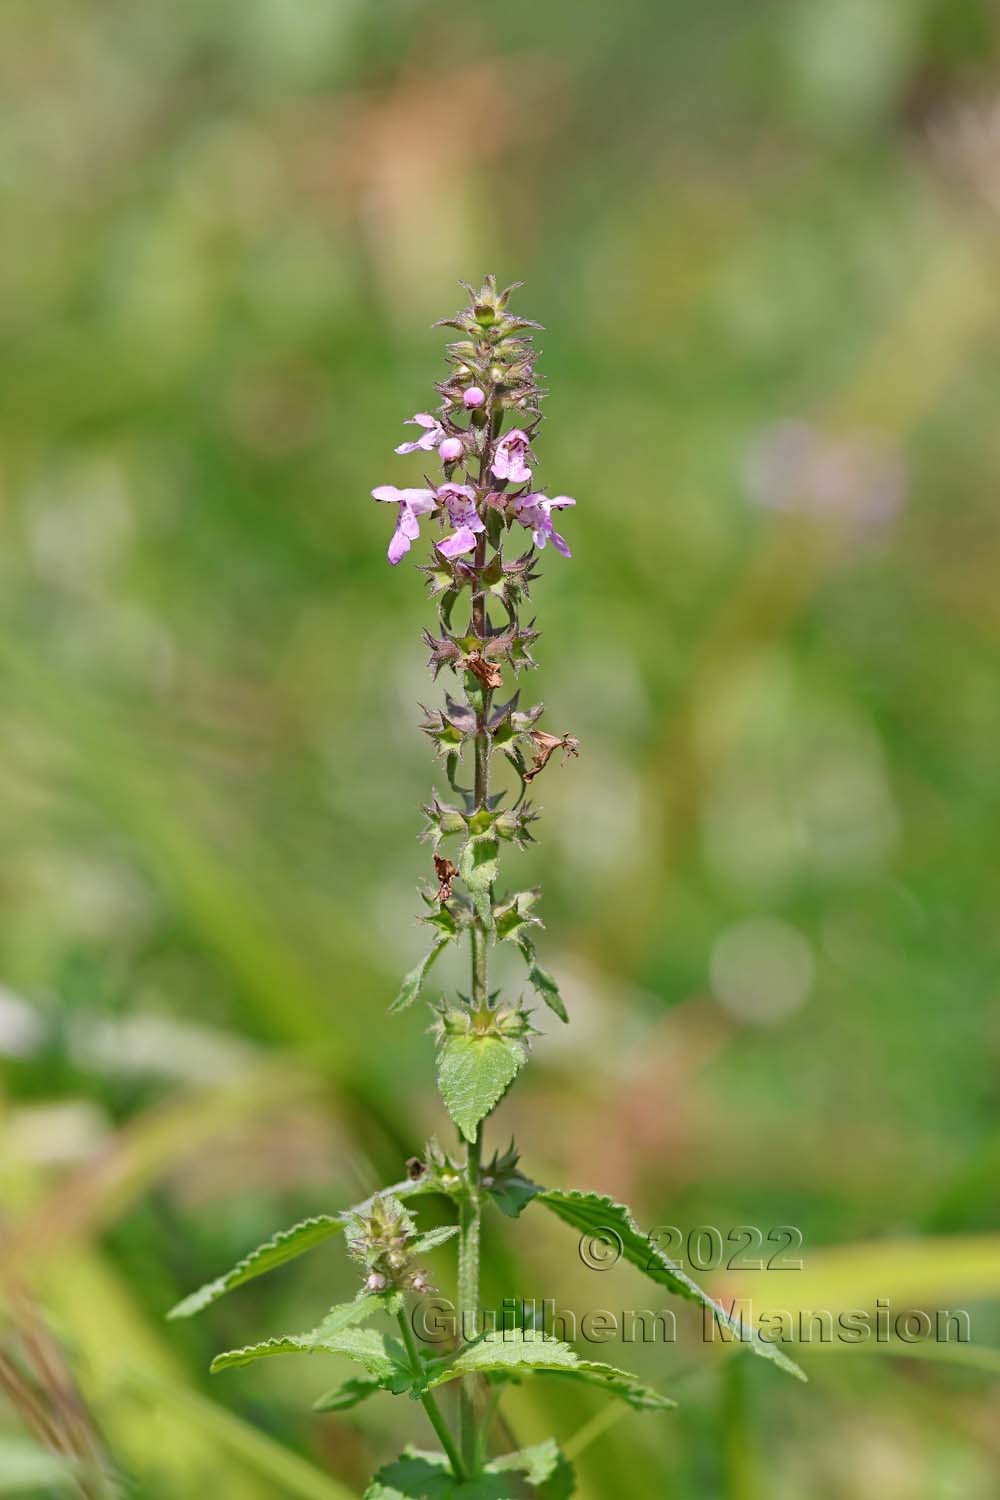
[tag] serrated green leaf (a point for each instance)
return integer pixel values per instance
(516, 1351)
(591, 1213)
(345, 1315)
(544, 1466)
(380, 1355)
(474, 1072)
(282, 1247)
(364, 1306)
(285, 1246)
(351, 1393)
(432, 1239)
(541, 979)
(413, 981)
(292, 1343)
(426, 1476)
(615, 1382)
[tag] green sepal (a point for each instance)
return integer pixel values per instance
(445, 916)
(540, 978)
(515, 914)
(474, 1073)
(432, 1239)
(369, 1232)
(594, 1214)
(502, 1179)
(413, 981)
(513, 1195)
(443, 820)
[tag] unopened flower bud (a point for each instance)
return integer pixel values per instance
(376, 1282)
(474, 396)
(450, 450)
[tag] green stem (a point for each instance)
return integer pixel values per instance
(468, 1297)
(470, 1211)
(429, 1404)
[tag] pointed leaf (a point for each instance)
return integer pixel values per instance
(426, 1476)
(413, 981)
(376, 1352)
(517, 1349)
(592, 1213)
(351, 1393)
(542, 980)
(282, 1247)
(344, 1316)
(616, 1383)
(285, 1246)
(474, 1072)
(544, 1467)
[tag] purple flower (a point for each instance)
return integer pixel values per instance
(535, 511)
(451, 450)
(474, 396)
(412, 504)
(428, 439)
(508, 461)
(459, 500)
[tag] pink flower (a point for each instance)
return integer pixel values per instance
(428, 439)
(535, 511)
(474, 396)
(412, 504)
(459, 500)
(451, 450)
(508, 461)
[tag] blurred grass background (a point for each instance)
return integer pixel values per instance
(764, 242)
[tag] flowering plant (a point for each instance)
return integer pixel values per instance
(485, 496)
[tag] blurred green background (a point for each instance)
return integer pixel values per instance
(763, 239)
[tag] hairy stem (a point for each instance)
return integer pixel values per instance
(429, 1403)
(470, 1215)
